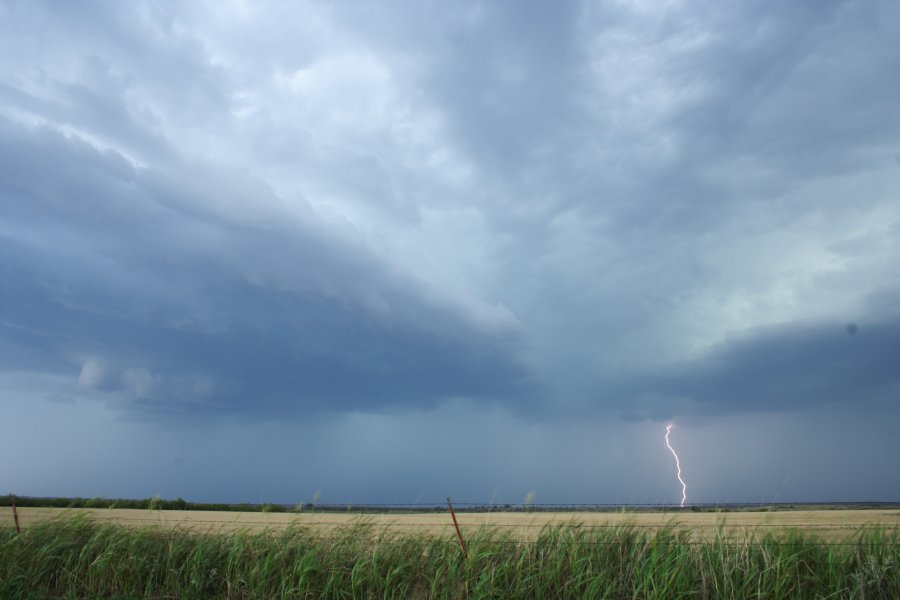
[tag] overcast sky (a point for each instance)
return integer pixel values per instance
(398, 251)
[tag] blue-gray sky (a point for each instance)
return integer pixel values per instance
(391, 252)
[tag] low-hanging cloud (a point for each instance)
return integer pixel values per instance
(208, 298)
(782, 368)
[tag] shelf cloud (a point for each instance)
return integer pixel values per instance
(420, 233)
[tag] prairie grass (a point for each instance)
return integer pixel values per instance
(81, 558)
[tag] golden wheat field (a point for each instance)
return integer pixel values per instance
(826, 523)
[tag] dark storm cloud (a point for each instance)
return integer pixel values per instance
(783, 368)
(143, 289)
(515, 221)
(610, 153)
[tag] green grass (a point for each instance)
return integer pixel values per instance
(79, 558)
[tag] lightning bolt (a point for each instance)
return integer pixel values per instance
(677, 466)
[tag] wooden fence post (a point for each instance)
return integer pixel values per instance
(462, 542)
(16, 515)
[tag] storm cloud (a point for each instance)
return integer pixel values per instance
(784, 368)
(155, 292)
(431, 246)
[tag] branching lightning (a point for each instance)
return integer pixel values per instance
(677, 466)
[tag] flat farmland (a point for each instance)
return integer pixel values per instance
(846, 553)
(829, 524)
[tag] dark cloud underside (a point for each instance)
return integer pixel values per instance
(271, 318)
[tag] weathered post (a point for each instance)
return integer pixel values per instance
(462, 542)
(16, 515)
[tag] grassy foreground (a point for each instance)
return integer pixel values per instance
(79, 558)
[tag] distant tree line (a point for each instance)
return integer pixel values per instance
(157, 503)
(154, 503)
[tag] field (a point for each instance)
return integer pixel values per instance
(828, 524)
(119, 553)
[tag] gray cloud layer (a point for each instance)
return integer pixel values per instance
(142, 286)
(511, 213)
(783, 368)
